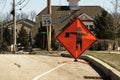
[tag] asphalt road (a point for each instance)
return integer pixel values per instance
(39, 67)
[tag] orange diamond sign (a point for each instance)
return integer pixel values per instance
(76, 38)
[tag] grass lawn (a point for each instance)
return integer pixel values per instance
(113, 59)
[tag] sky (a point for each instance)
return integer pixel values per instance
(39, 5)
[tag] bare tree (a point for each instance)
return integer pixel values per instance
(116, 16)
(18, 16)
(32, 15)
(6, 17)
(22, 15)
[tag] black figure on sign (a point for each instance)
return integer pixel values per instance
(79, 35)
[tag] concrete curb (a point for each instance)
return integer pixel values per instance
(110, 72)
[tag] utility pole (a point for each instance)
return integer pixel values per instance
(49, 27)
(14, 30)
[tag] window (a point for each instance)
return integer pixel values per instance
(91, 26)
(83, 18)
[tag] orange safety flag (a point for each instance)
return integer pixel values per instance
(76, 38)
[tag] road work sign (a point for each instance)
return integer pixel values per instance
(76, 38)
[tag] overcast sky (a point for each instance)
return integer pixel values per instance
(38, 5)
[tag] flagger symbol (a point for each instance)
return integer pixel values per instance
(79, 35)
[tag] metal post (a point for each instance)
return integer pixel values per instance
(43, 41)
(49, 27)
(14, 30)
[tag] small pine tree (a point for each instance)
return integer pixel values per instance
(23, 38)
(7, 36)
(39, 41)
(38, 37)
(54, 44)
(103, 26)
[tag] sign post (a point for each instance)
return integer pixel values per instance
(76, 38)
(43, 38)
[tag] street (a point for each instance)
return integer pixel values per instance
(39, 67)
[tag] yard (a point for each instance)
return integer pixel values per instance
(111, 58)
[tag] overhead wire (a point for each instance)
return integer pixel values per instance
(20, 2)
(24, 5)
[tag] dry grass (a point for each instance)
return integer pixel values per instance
(113, 59)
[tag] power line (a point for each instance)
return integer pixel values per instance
(24, 5)
(20, 2)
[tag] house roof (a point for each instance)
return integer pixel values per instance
(26, 22)
(58, 11)
(62, 15)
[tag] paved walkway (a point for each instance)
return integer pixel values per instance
(38, 67)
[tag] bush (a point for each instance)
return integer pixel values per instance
(4, 47)
(100, 45)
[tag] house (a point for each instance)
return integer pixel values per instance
(28, 24)
(62, 16)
